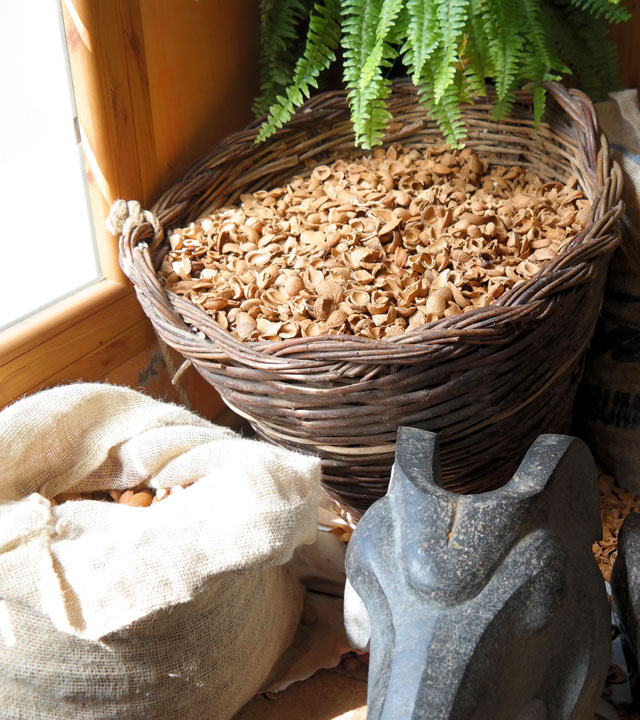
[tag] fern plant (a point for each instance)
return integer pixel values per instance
(449, 48)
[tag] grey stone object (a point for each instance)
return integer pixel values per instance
(625, 581)
(481, 607)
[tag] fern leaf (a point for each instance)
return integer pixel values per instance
(539, 102)
(479, 65)
(587, 50)
(535, 34)
(503, 105)
(377, 115)
(567, 49)
(446, 111)
(278, 31)
(612, 11)
(538, 61)
(597, 68)
(372, 113)
(386, 20)
(323, 38)
(359, 28)
(452, 18)
(422, 36)
(504, 44)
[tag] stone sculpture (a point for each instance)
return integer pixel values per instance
(486, 606)
(625, 581)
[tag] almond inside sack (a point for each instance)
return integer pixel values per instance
(178, 610)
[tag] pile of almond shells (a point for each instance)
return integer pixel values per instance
(373, 245)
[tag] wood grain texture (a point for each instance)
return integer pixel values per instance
(99, 362)
(202, 62)
(95, 46)
(86, 349)
(23, 337)
(627, 36)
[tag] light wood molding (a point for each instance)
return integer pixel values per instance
(97, 37)
(46, 324)
(71, 339)
(156, 84)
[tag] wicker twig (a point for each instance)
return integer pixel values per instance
(489, 380)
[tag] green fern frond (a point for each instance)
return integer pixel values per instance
(445, 111)
(531, 12)
(452, 18)
(612, 11)
(389, 12)
(377, 115)
(359, 28)
(278, 28)
(423, 36)
(597, 68)
(539, 62)
(539, 102)
(505, 44)
(449, 48)
(503, 105)
(370, 115)
(568, 50)
(398, 33)
(587, 50)
(479, 63)
(323, 38)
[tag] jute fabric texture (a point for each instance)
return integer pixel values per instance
(177, 610)
(608, 410)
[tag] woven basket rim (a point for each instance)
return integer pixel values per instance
(526, 301)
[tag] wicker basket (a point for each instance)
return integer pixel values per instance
(488, 381)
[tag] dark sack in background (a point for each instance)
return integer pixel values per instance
(608, 406)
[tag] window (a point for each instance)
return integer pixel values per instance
(156, 84)
(47, 228)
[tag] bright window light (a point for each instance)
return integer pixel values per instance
(46, 225)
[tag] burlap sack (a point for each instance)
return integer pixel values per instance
(178, 610)
(608, 404)
(620, 119)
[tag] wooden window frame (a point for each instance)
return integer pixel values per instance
(94, 329)
(98, 328)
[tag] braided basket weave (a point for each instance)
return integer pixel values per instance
(488, 381)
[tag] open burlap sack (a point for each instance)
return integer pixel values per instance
(177, 610)
(608, 404)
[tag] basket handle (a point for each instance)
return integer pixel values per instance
(580, 108)
(125, 217)
(594, 148)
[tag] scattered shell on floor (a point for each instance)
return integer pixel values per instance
(615, 504)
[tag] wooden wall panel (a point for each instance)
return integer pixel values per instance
(202, 63)
(627, 35)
